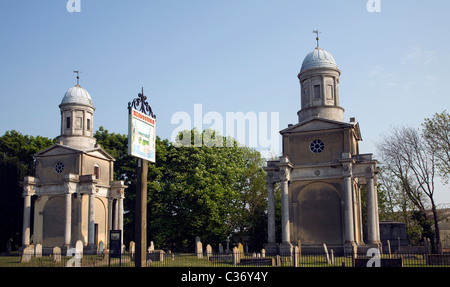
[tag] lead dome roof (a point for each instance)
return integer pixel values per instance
(318, 58)
(77, 95)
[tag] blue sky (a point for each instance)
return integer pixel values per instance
(228, 56)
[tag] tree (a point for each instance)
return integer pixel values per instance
(16, 161)
(406, 154)
(195, 189)
(436, 132)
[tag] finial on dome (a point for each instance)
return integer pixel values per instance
(317, 38)
(78, 77)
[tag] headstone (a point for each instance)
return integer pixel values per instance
(79, 249)
(326, 253)
(56, 253)
(101, 247)
(156, 256)
(38, 251)
(241, 250)
(296, 255)
(236, 256)
(263, 253)
(227, 251)
(198, 248)
(132, 250)
(354, 251)
(332, 256)
(220, 249)
(389, 248)
(151, 247)
(27, 253)
(208, 251)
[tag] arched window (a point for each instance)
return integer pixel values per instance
(97, 171)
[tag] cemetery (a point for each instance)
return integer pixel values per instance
(238, 256)
(320, 195)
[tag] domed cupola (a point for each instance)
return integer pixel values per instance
(77, 119)
(77, 95)
(318, 58)
(319, 81)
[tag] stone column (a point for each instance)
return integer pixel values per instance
(110, 220)
(91, 220)
(285, 167)
(372, 211)
(68, 220)
(120, 221)
(285, 234)
(116, 214)
(348, 205)
(110, 214)
(26, 219)
(271, 212)
(28, 185)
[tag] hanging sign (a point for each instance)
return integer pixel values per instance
(141, 135)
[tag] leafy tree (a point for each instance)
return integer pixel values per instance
(16, 161)
(195, 189)
(436, 132)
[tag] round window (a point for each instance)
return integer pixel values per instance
(316, 146)
(59, 167)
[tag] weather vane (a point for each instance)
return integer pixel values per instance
(317, 38)
(78, 77)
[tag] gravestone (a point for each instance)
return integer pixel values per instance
(132, 250)
(296, 255)
(236, 256)
(263, 253)
(389, 247)
(208, 251)
(198, 248)
(151, 247)
(79, 249)
(56, 253)
(156, 256)
(27, 253)
(332, 257)
(220, 249)
(38, 251)
(326, 253)
(101, 247)
(240, 250)
(227, 251)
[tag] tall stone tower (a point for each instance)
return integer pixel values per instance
(321, 171)
(73, 192)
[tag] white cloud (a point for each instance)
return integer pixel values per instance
(417, 55)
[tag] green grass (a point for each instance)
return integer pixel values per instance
(191, 260)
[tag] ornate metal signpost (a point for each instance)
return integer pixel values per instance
(141, 144)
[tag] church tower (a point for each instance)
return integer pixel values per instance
(321, 171)
(319, 80)
(77, 119)
(73, 192)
